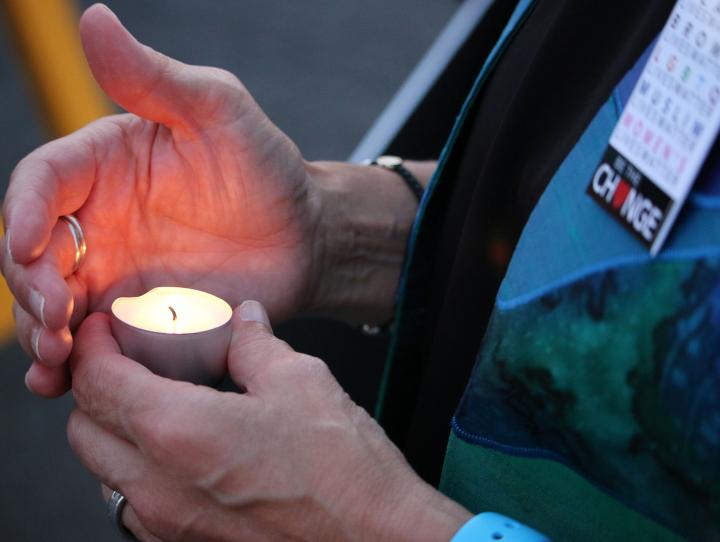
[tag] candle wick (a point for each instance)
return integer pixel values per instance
(173, 313)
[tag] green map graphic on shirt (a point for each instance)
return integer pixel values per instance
(617, 375)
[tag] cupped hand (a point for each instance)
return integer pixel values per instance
(292, 458)
(194, 187)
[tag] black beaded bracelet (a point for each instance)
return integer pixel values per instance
(395, 163)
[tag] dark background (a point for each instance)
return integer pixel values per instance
(323, 70)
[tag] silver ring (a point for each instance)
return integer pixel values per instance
(114, 510)
(79, 237)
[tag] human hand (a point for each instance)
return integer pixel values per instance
(293, 457)
(195, 187)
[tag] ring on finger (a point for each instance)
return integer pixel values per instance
(78, 237)
(115, 507)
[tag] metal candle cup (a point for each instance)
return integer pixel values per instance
(177, 333)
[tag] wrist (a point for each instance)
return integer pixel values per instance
(417, 514)
(364, 217)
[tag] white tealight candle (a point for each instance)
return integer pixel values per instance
(178, 333)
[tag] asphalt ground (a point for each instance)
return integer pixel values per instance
(323, 70)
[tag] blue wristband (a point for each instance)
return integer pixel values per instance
(492, 527)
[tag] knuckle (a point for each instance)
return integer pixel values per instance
(226, 96)
(163, 436)
(310, 368)
(42, 168)
(227, 78)
(21, 165)
(167, 430)
(170, 519)
(149, 431)
(147, 511)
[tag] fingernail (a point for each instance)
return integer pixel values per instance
(252, 311)
(7, 246)
(27, 382)
(35, 342)
(37, 303)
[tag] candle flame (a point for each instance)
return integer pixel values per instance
(159, 310)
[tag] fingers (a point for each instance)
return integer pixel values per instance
(38, 251)
(151, 84)
(254, 350)
(42, 322)
(112, 389)
(47, 376)
(39, 287)
(53, 180)
(130, 519)
(48, 382)
(50, 348)
(114, 461)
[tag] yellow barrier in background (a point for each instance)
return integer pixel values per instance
(7, 326)
(46, 33)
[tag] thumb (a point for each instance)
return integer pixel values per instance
(150, 84)
(254, 350)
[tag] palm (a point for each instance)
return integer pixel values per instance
(209, 212)
(195, 188)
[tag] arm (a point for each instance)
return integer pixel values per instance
(365, 219)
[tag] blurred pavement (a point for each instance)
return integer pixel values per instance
(322, 70)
